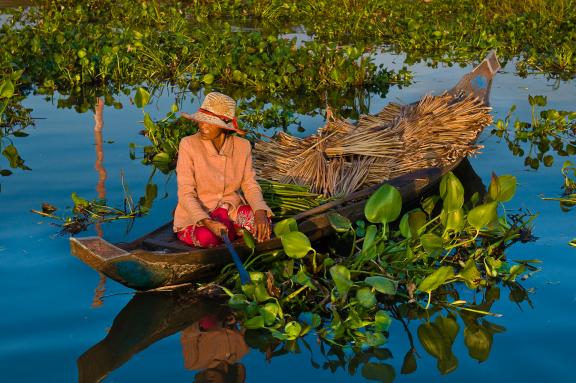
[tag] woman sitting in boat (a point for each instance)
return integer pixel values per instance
(214, 165)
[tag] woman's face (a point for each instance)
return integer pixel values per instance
(209, 131)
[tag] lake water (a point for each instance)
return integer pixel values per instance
(49, 320)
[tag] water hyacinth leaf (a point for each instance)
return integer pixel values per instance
(79, 202)
(384, 205)
(382, 284)
(405, 226)
(502, 188)
(366, 297)
(471, 274)
(375, 339)
(261, 293)
(382, 321)
(409, 363)
(285, 226)
(161, 158)
(339, 223)
(371, 232)
(451, 192)
(483, 215)
(432, 243)
(454, 220)
(417, 219)
(436, 279)
(149, 124)
(572, 242)
(311, 319)
(429, 203)
(379, 372)
(515, 271)
(6, 89)
(479, 342)
(269, 312)
(141, 98)
(237, 301)
(254, 323)
(296, 244)
(292, 330)
(248, 239)
(302, 278)
(341, 276)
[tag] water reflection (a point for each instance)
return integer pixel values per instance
(210, 338)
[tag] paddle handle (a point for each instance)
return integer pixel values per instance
(244, 276)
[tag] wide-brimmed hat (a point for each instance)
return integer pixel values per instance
(219, 110)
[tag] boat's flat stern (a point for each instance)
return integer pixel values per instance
(95, 251)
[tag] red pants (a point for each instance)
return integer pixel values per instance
(201, 236)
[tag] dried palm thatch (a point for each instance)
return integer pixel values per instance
(341, 157)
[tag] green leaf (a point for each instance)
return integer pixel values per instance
(269, 312)
(149, 124)
(429, 203)
(448, 327)
(292, 330)
(254, 323)
(141, 98)
(384, 205)
(302, 278)
(451, 192)
(375, 339)
(483, 215)
(339, 223)
(366, 297)
(248, 239)
(5, 172)
(237, 301)
(285, 226)
(382, 284)
(341, 276)
(572, 242)
(502, 188)
(471, 274)
(436, 279)
(515, 271)
(433, 340)
(371, 232)
(382, 321)
(6, 89)
(208, 78)
(296, 244)
(79, 201)
(379, 372)
(454, 220)
(161, 158)
(432, 243)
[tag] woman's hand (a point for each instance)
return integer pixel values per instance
(262, 225)
(214, 226)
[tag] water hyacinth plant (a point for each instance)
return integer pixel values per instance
(548, 131)
(445, 244)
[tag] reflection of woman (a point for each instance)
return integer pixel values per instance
(209, 346)
(213, 167)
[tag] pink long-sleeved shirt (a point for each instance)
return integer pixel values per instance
(207, 178)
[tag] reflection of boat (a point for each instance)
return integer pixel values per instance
(159, 259)
(146, 319)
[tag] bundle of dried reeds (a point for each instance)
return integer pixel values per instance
(341, 157)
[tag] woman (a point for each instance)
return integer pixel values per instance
(213, 167)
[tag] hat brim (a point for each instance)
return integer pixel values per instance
(202, 117)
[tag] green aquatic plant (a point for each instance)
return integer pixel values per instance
(14, 119)
(548, 131)
(568, 199)
(85, 213)
(348, 298)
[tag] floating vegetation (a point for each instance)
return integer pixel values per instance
(14, 119)
(568, 199)
(287, 200)
(417, 261)
(549, 130)
(86, 213)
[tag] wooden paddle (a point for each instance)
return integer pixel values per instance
(244, 276)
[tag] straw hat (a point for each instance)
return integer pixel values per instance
(219, 110)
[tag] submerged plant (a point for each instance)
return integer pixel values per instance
(443, 246)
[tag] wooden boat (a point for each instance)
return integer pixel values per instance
(160, 259)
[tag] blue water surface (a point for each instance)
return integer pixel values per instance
(48, 318)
